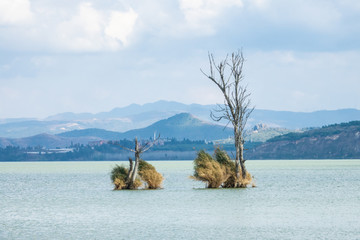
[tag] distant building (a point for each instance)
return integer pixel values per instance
(97, 143)
(51, 151)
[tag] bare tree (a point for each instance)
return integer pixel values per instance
(133, 168)
(228, 76)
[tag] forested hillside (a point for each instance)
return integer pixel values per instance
(335, 141)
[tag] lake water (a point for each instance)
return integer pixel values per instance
(308, 199)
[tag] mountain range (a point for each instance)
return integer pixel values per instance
(180, 126)
(332, 141)
(137, 116)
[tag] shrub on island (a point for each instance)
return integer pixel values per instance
(219, 171)
(147, 177)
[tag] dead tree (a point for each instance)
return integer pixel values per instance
(133, 168)
(228, 76)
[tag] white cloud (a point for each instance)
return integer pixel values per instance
(112, 25)
(121, 25)
(82, 31)
(260, 3)
(60, 27)
(14, 12)
(303, 55)
(200, 13)
(93, 30)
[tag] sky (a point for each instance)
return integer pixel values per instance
(93, 56)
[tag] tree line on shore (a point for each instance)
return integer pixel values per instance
(170, 149)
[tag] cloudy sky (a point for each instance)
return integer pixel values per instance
(92, 56)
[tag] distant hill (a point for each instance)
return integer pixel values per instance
(262, 132)
(27, 128)
(137, 116)
(123, 119)
(45, 140)
(329, 142)
(180, 126)
(92, 132)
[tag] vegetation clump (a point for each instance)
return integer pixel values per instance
(138, 172)
(209, 170)
(147, 176)
(119, 177)
(219, 170)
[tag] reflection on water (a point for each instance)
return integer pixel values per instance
(306, 199)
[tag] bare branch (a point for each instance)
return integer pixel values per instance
(148, 145)
(117, 144)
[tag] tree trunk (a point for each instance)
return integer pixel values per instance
(130, 173)
(237, 158)
(242, 161)
(133, 170)
(237, 163)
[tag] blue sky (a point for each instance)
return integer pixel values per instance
(92, 56)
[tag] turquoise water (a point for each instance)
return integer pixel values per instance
(306, 199)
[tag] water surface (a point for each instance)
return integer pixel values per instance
(305, 199)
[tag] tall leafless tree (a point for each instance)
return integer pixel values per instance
(228, 76)
(133, 168)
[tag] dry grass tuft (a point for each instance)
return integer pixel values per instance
(119, 184)
(218, 171)
(118, 177)
(243, 183)
(137, 183)
(233, 182)
(147, 174)
(223, 158)
(150, 176)
(209, 170)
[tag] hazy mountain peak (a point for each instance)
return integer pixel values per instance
(180, 126)
(41, 136)
(184, 119)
